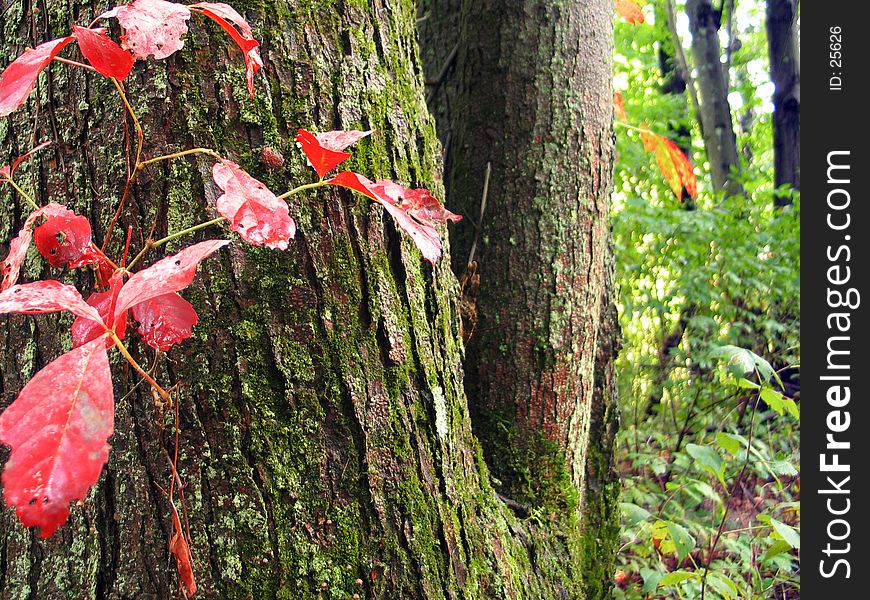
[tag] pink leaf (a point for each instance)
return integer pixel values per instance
(165, 320)
(322, 159)
(105, 56)
(170, 274)
(58, 429)
(151, 27)
(18, 251)
(65, 238)
(254, 212)
(391, 195)
(226, 16)
(46, 296)
(86, 330)
(20, 76)
(339, 140)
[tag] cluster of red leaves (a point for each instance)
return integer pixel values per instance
(416, 211)
(672, 162)
(59, 425)
(151, 28)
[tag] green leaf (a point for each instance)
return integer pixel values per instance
(651, 579)
(741, 361)
(683, 542)
(722, 584)
(728, 442)
(744, 383)
(633, 513)
(787, 532)
(776, 548)
(709, 459)
(774, 400)
(677, 577)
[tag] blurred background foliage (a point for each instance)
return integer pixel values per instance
(709, 298)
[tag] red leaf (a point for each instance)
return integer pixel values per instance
(619, 105)
(58, 429)
(630, 10)
(86, 330)
(325, 151)
(673, 164)
(165, 320)
(151, 27)
(19, 77)
(18, 251)
(391, 195)
(254, 212)
(65, 238)
(170, 274)
(46, 296)
(181, 551)
(226, 16)
(105, 56)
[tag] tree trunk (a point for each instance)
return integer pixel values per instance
(785, 74)
(529, 100)
(715, 111)
(324, 431)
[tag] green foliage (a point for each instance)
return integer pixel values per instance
(708, 377)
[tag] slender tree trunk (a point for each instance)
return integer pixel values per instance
(325, 436)
(785, 74)
(529, 100)
(715, 111)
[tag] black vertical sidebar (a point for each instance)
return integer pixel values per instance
(835, 299)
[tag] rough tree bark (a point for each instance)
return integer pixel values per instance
(529, 94)
(325, 435)
(715, 111)
(785, 74)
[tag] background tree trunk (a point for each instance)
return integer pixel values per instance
(785, 74)
(325, 435)
(530, 96)
(715, 110)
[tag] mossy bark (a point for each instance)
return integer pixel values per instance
(324, 432)
(529, 94)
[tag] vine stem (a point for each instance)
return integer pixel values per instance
(140, 142)
(74, 63)
(24, 194)
(209, 151)
(155, 243)
(632, 127)
(302, 188)
(126, 354)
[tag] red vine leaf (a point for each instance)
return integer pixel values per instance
(254, 212)
(18, 248)
(46, 296)
(673, 164)
(181, 551)
(151, 27)
(630, 10)
(65, 238)
(413, 210)
(85, 330)
(18, 79)
(170, 274)
(58, 429)
(165, 320)
(107, 57)
(325, 151)
(238, 29)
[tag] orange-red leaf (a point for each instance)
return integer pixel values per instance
(239, 30)
(630, 10)
(18, 79)
(673, 164)
(181, 551)
(65, 238)
(254, 212)
(58, 429)
(107, 57)
(325, 151)
(165, 320)
(619, 106)
(84, 330)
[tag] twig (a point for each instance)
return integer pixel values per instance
(436, 84)
(482, 208)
